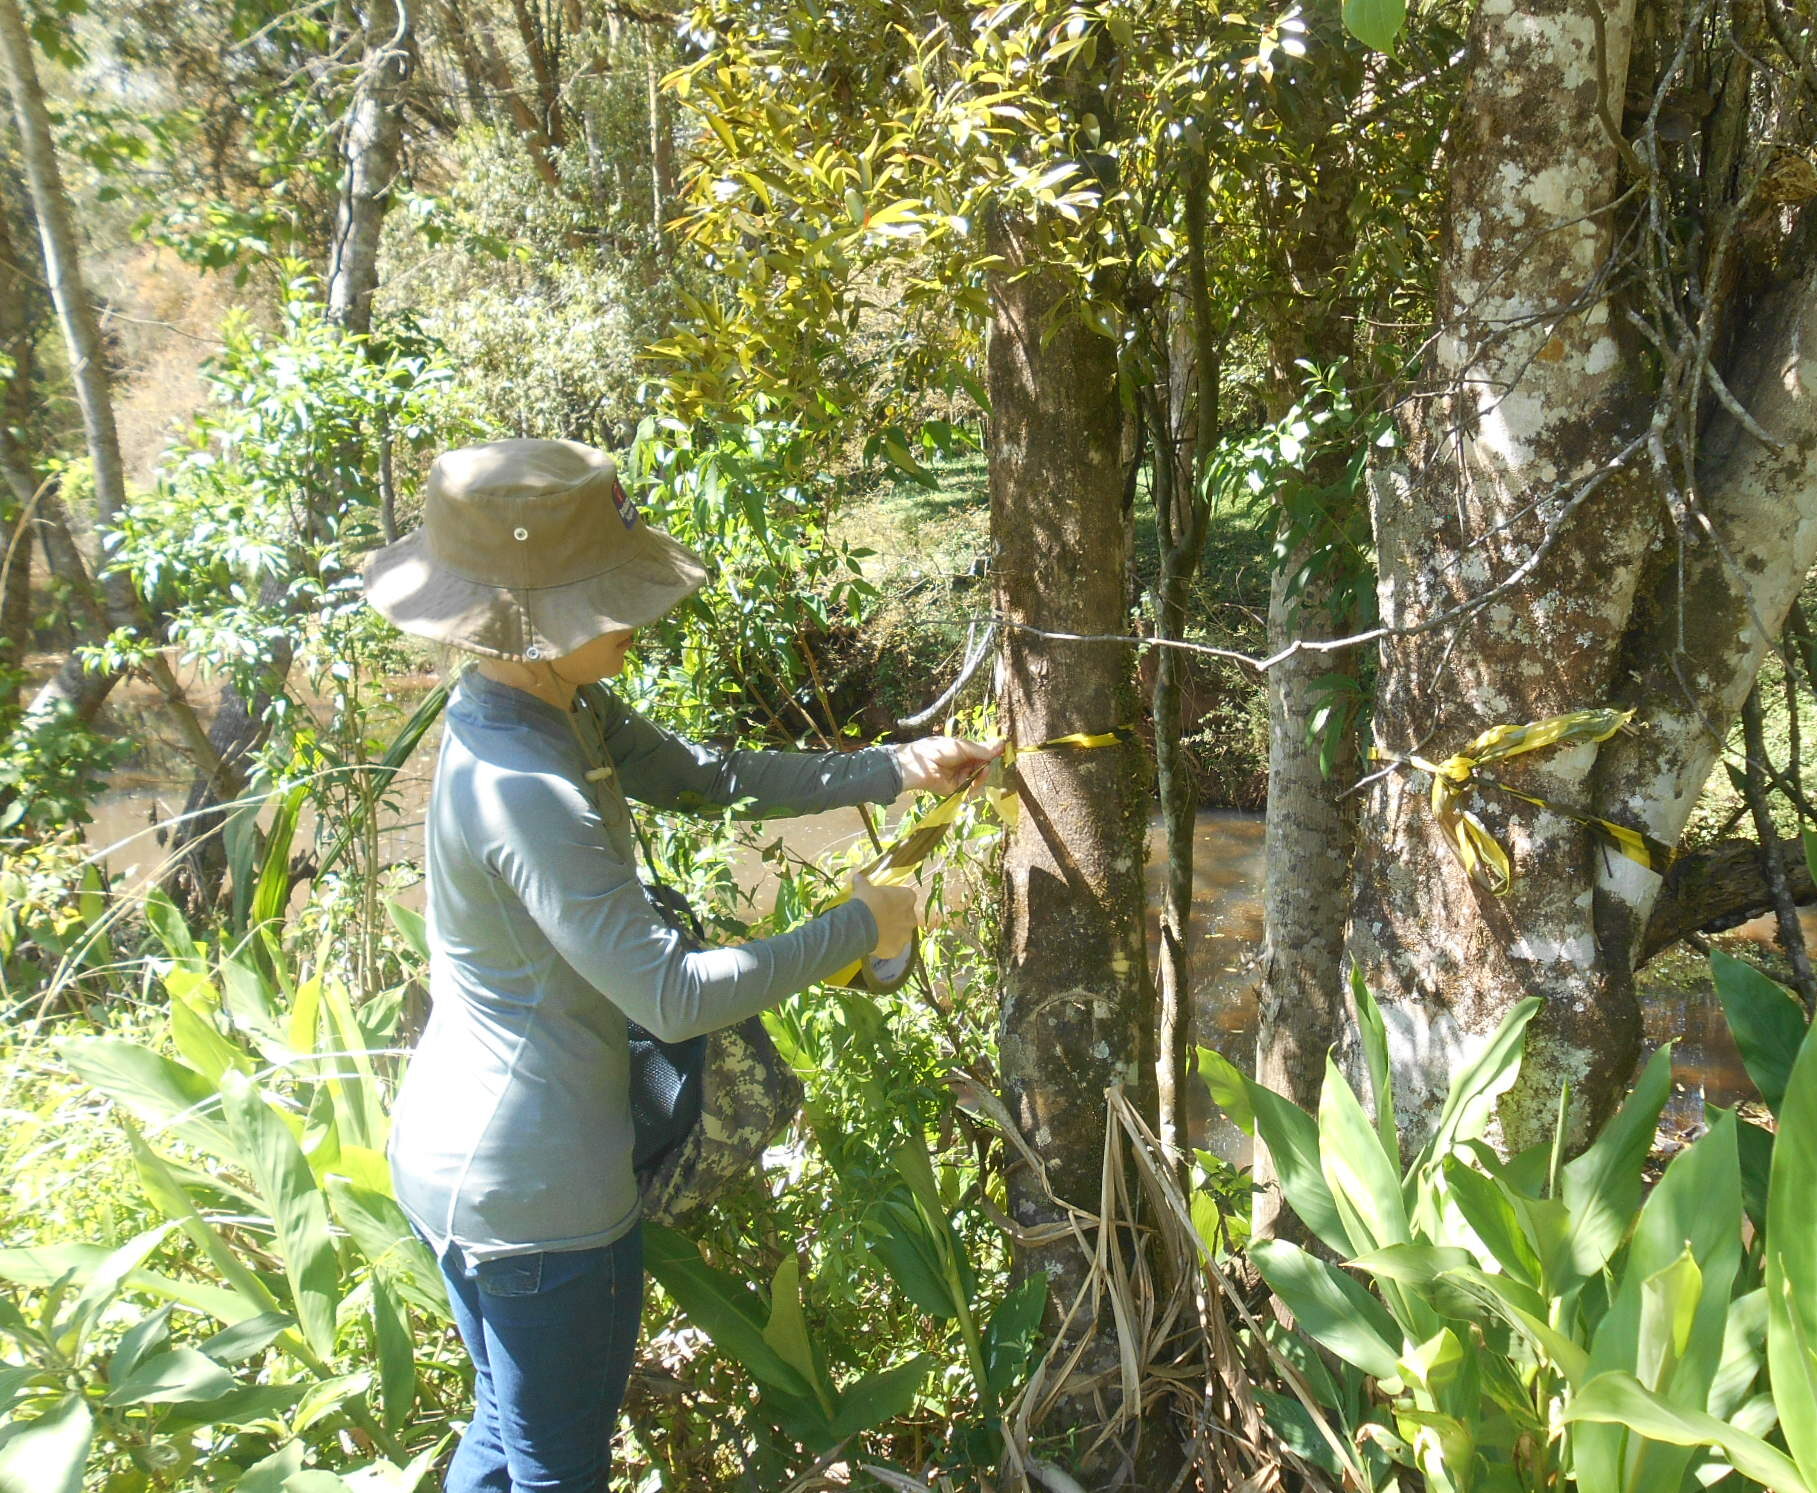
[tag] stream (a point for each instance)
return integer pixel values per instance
(1223, 940)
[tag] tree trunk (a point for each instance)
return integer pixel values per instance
(88, 371)
(1302, 1009)
(17, 308)
(1077, 1005)
(372, 148)
(1528, 474)
(1532, 402)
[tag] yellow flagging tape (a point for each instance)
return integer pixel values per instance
(898, 864)
(1459, 776)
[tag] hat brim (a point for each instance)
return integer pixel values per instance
(407, 586)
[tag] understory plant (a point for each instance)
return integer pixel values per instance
(1500, 1325)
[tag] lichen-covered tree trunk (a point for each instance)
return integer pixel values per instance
(1534, 399)
(1528, 482)
(1077, 1003)
(1311, 820)
(371, 149)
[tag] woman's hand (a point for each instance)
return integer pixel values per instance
(944, 764)
(894, 909)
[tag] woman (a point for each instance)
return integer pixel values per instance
(511, 1142)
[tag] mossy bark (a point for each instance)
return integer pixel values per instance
(1077, 1011)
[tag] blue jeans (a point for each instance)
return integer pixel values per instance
(552, 1336)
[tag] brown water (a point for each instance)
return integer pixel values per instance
(1223, 939)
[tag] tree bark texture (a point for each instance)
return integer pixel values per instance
(1302, 1008)
(88, 367)
(372, 149)
(1077, 1008)
(1527, 473)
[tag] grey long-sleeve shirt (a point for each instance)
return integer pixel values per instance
(512, 1129)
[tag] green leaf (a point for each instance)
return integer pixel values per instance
(162, 917)
(383, 1235)
(1332, 1307)
(1621, 1399)
(1490, 1210)
(47, 1455)
(192, 1003)
(161, 1094)
(1292, 1138)
(1364, 1179)
(1601, 1188)
(787, 1330)
(1767, 1022)
(1229, 1088)
(168, 1378)
(244, 1339)
(273, 1473)
(299, 1214)
(902, 1243)
(144, 1337)
(1471, 1101)
(881, 1397)
(396, 1355)
(1013, 1331)
(725, 1308)
(1791, 1264)
(1374, 1033)
(1375, 23)
(44, 1265)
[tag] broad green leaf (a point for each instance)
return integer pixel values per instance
(162, 917)
(141, 1340)
(1292, 1138)
(192, 1003)
(271, 1474)
(326, 1397)
(725, 1308)
(1621, 1399)
(1365, 1185)
(412, 925)
(1229, 1088)
(159, 1093)
(1601, 1188)
(1331, 1307)
(1374, 1033)
(383, 1235)
(1515, 1304)
(1470, 1103)
(299, 1214)
(243, 1339)
(1375, 23)
(1744, 1353)
(167, 1193)
(1767, 1022)
(787, 1330)
(1491, 1212)
(396, 1355)
(1012, 1334)
(900, 1239)
(359, 1108)
(1791, 1264)
(272, 891)
(169, 1378)
(880, 1397)
(47, 1455)
(44, 1265)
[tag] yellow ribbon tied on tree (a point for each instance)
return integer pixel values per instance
(1458, 778)
(900, 862)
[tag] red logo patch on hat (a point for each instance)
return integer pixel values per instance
(621, 500)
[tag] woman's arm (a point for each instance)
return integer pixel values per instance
(549, 846)
(670, 772)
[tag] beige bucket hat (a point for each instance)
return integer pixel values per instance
(528, 549)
